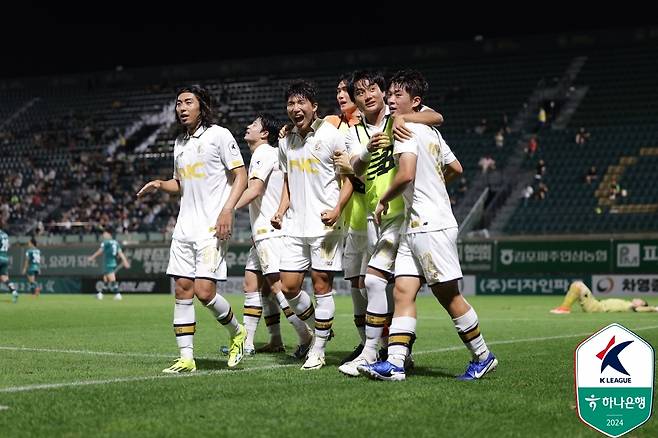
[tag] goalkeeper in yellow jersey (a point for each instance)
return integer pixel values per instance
(581, 293)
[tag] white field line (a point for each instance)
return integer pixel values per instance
(3, 408)
(261, 368)
(138, 379)
(171, 356)
(514, 341)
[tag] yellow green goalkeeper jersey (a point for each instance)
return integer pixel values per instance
(380, 172)
(354, 213)
(592, 305)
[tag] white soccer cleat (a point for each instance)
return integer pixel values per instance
(350, 368)
(99, 295)
(118, 297)
(314, 361)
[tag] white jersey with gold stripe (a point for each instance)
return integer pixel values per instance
(312, 178)
(426, 199)
(264, 166)
(203, 164)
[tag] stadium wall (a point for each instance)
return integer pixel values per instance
(492, 267)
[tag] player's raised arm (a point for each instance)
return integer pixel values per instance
(171, 186)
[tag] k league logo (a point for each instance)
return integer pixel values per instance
(614, 374)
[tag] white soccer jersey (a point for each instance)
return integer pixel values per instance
(426, 199)
(202, 164)
(312, 178)
(265, 166)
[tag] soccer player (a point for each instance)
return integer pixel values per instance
(354, 215)
(371, 153)
(428, 250)
(314, 199)
(210, 176)
(262, 268)
(578, 291)
(32, 266)
(111, 251)
(4, 264)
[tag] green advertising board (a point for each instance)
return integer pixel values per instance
(526, 285)
(515, 257)
(636, 256)
(476, 256)
(146, 261)
(553, 256)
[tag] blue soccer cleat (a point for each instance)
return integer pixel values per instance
(477, 370)
(382, 370)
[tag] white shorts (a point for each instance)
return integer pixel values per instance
(323, 253)
(354, 255)
(383, 242)
(432, 256)
(265, 255)
(200, 259)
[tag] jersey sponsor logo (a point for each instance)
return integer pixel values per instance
(381, 163)
(191, 171)
(304, 165)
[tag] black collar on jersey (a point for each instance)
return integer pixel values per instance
(365, 128)
(198, 133)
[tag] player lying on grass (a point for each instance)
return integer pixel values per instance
(581, 293)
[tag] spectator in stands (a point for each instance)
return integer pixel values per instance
(616, 190)
(541, 170)
(591, 175)
(482, 127)
(487, 163)
(541, 119)
(582, 136)
(542, 191)
(531, 147)
(528, 191)
(499, 139)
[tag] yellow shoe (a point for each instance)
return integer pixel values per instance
(236, 350)
(181, 366)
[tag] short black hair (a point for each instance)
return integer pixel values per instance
(345, 77)
(303, 88)
(206, 103)
(412, 81)
(371, 76)
(272, 127)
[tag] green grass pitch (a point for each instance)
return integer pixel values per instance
(77, 367)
